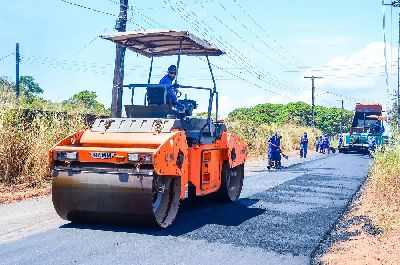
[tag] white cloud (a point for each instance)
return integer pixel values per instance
(360, 75)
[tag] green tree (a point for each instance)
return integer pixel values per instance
(87, 99)
(29, 86)
(297, 113)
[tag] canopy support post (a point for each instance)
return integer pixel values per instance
(212, 97)
(179, 60)
(151, 69)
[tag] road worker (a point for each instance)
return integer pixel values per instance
(316, 144)
(372, 144)
(340, 140)
(321, 145)
(303, 146)
(274, 143)
(325, 143)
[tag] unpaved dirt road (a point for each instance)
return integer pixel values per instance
(280, 218)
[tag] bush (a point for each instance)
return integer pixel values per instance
(385, 188)
(24, 142)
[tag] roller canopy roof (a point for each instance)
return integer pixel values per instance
(163, 43)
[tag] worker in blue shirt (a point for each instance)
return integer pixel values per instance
(325, 143)
(372, 144)
(316, 144)
(274, 143)
(167, 80)
(321, 144)
(340, 140)
(303, 146)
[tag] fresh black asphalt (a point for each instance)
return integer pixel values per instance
(280, 219)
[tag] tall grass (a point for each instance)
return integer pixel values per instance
(256, 135)
(385, 188)
(24, 143)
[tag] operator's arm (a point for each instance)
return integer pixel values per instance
(171, 90)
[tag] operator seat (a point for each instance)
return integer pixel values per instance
(158, 96)
(158, 107)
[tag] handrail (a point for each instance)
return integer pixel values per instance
(167, 86)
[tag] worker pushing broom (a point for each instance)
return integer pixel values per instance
(275, 152)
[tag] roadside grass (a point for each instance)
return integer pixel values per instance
(384, 187)
(24, 143)
(256, 136)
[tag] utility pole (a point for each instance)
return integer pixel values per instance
(396, 3)
(341, 116)
(17, 61)
(313, 97)
(117, 91)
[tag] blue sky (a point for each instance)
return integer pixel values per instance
(269, 44)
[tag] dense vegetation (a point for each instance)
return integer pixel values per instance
(295, 113)
(26, 139)
(384, 186)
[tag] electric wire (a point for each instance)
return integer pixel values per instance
(89, 8)
(251, 32)
(263, 30)
(4, 57)
(267, 34)
(226, 45)
(270, 80)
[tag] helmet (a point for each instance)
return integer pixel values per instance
(278, 134)
(172, 68)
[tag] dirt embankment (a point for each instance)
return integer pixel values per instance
(9, 194)
(357, 240)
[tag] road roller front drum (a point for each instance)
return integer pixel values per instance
(119, 198)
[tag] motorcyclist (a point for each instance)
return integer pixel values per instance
(303, 146)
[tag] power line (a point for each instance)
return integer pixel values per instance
(4, 57)
(262, 29)
(240, 37)
(89, 8)
(251, 32)
(241, 57)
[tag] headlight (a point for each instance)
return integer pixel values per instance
(62, 155)
(140, 158)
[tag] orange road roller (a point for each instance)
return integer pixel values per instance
(135, 170)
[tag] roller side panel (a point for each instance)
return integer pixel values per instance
(171, 159)
(205, 168)
(236, 149)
